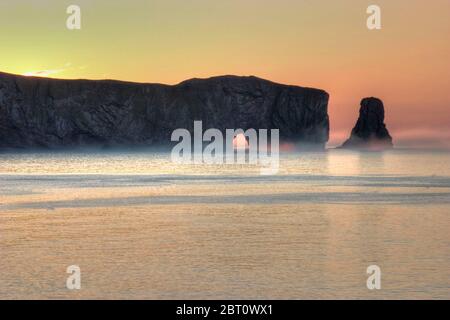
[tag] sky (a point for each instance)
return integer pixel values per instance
(314, 43)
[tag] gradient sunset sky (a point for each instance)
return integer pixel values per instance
(314, 43)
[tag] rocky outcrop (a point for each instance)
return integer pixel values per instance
(370, 131)
(52, 113)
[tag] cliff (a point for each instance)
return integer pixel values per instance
(370, 131)
(53, 113)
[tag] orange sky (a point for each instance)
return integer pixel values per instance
(319, 43)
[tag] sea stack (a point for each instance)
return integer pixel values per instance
(370, 132)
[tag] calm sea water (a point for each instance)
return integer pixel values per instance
(140, 226)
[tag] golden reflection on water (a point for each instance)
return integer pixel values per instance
(313, 238)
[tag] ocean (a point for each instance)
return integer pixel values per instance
(142, 227)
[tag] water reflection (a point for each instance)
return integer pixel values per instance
(143, 228)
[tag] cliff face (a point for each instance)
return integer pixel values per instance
(51, 113)
(370, 131)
